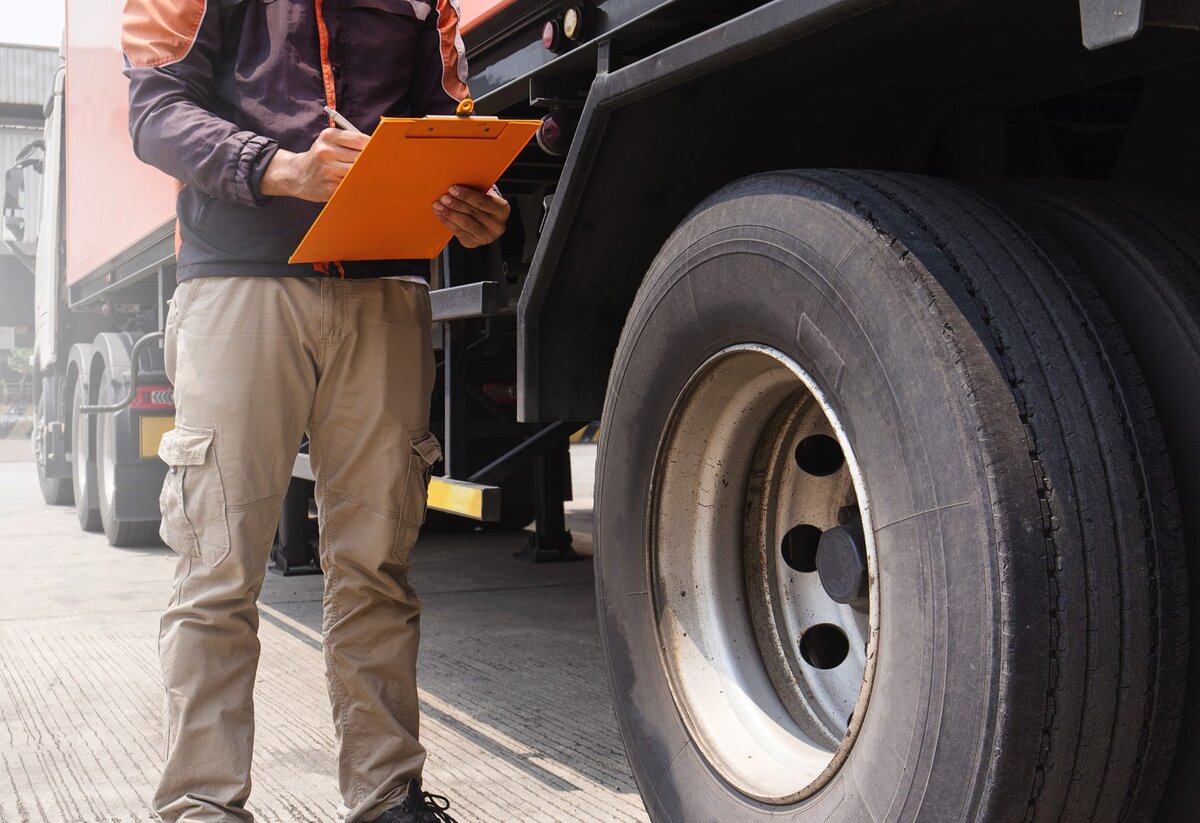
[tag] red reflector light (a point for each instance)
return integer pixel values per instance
(556, 132)
(502, 394)
(154, 398)
(550, 35)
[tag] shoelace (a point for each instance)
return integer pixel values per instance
(438, 805)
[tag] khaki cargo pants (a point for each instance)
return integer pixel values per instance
(256, 362)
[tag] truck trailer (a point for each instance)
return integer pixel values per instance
(890, 312)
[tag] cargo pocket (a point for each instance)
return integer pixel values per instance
(194, 521)
(426, 450)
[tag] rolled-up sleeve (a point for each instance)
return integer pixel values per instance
(170, 48)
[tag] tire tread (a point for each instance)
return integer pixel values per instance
(1109, 761)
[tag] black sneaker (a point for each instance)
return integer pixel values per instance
(417, 807)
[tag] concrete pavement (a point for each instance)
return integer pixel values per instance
(516, 710)
(16, 450)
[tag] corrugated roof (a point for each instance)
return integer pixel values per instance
(26, 73)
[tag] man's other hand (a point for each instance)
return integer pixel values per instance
(476, 218)
(314, 174)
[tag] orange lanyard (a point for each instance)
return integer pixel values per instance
(326, 66)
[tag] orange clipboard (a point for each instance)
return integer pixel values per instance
(383, 208)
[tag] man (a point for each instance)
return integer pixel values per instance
(227, 97)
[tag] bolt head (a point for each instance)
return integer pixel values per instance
(842, 566)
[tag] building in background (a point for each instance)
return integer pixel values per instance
(26, 80)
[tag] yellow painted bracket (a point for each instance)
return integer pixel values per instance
(465, 499)
(445, 495)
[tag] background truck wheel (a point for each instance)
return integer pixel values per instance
(83, 468)
(1142, 253)
(295, 550)
(120, 533)
(881, 530)
(55, 491)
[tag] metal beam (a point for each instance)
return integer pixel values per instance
(473, 500)
(1106, 22)
(485, 299)
(302, 468)
(555, 434)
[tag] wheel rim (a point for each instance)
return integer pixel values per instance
(106, 477)
(78, 459)
(39, 438)
(771, 675)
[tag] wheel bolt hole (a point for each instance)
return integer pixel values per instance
(800, 548)
(824, 646)
(819, 455)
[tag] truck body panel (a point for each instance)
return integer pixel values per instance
(476, 12)
(47, 266)
(114, 201)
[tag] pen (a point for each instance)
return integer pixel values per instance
(341, 121)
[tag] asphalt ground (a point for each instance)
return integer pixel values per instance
(516, 712)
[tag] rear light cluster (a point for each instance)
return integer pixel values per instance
(154, 398)
(502, 394)
(560, 33)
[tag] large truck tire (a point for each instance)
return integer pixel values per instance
(121, 532)
(83, 466)
(55, 491)
(127, 485)
(1142, 252)
(880, 532)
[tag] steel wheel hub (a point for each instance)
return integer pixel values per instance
(766, 596)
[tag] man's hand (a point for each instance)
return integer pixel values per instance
(476, 218)
(314, 174)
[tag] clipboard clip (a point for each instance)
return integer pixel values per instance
(465, 108)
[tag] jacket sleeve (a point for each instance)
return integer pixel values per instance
(170, 47)
(440, 78)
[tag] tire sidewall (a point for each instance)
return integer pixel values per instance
(79, 460)
(105, 440)
(40, 448)
(83, 466)
(737, 273)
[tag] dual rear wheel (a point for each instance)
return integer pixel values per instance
(892, 531)
(97, 466)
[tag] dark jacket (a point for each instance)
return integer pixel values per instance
(217, 86)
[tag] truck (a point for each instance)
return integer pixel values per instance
(890, 313)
